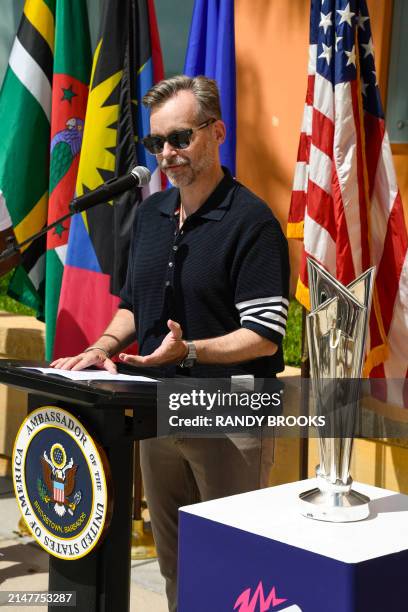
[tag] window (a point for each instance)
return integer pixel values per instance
(174, 20)
(397, 99)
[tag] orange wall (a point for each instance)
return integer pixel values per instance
(272, 55)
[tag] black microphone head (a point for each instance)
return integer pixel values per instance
(142, 175)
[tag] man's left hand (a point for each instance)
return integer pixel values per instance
(173, 349)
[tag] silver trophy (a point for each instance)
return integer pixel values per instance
(336, 332)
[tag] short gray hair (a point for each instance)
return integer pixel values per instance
(204, 89)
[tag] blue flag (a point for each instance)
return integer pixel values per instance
(211, 52)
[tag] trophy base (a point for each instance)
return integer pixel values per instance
(334, 507)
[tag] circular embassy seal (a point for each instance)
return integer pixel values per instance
(62, 481)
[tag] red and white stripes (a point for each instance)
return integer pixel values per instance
(347, 209)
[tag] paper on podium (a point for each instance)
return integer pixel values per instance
(91, 374)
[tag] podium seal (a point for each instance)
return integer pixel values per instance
(62, 484)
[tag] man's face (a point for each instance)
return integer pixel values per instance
(184, 166)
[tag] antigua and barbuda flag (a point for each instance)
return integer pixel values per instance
(42, 103)
(126, 63)
(211, 52)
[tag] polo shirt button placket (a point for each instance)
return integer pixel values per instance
(171, 264)
(170, 268)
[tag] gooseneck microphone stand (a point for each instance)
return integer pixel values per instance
(14, 247)
(138, 177)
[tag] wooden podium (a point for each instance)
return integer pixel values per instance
(116, 413)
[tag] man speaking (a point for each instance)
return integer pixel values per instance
(206, 294)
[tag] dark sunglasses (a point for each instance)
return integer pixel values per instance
(180, 139)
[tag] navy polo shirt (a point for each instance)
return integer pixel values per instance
(227, 268)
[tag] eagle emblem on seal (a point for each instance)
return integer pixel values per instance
(59, 481)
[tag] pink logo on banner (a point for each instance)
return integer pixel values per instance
(248, 603)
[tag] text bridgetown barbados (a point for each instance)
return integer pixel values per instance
(60, 483)
(206, 411)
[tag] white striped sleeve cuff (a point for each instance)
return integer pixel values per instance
(267, 316)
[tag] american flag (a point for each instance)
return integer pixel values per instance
(59, 491)
(346, 205)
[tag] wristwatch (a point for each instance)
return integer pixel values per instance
(191, 357)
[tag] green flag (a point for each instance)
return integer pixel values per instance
(42, 104)
(25, 108)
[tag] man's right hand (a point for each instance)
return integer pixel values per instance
(96, 357)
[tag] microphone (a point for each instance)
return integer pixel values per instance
(138, 177)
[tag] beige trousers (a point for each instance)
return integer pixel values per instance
(180, 471)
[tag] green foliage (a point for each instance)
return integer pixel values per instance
(42, 490)
(292, 343)
(7, 303)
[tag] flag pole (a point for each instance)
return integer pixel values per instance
(304, 402)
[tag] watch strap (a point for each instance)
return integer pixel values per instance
(191, 357)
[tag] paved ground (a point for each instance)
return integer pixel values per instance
(24, 565)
